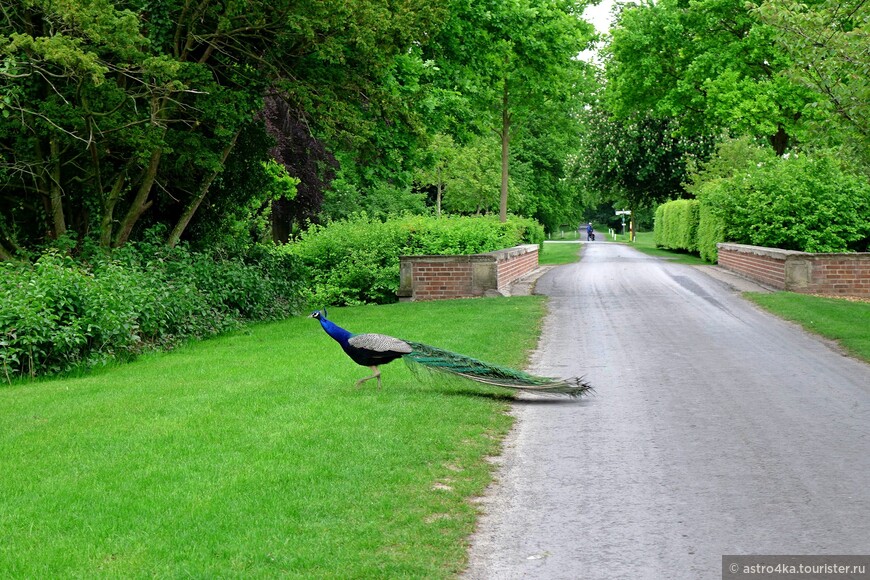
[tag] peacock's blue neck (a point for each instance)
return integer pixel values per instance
(335, 331)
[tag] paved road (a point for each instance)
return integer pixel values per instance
(716, 429)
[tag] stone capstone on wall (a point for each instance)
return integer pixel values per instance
(841, 274)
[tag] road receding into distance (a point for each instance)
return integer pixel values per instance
(715, 429)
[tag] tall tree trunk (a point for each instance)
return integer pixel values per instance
(280, 221)
(194, 204)
(779, 141)
(5, 255)
(439, 188)
(140, 203)
(8, 247)
(108, 218)
(57, 219)
(505, 152)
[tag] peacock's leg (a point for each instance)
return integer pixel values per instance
(376, 375)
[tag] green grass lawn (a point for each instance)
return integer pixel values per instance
(569, 234)
(842, 320)
(644, 243)
(559, 253)
(253, 455)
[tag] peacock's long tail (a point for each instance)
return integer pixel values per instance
(490, 374)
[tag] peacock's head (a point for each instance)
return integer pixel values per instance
(318, 314)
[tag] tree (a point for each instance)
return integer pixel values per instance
(441, 153)
(473, 178)
(506, 59)
(710, 63)
(828, 43)
(544, 159)
(121, 115)
(303, 156)
(638, 162)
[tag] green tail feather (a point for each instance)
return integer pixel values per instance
(482, 372)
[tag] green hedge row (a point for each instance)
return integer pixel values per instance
(802, 202)
(59, 314)
(676, 225)
(356, 261)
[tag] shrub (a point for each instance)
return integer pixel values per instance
(58, 313)
(711, 231)
(356, 261)
(676, 225)
(799, 203)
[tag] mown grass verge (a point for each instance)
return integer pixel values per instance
(253, 455)
(559, 253)
(644, 243)
(845, 321)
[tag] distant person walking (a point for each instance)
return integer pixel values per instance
(590, 233)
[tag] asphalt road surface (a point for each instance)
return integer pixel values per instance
(715, 429)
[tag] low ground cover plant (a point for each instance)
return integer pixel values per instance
(59, 314)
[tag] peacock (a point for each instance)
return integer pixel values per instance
(373, 350)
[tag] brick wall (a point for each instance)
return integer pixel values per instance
(444, 277)
(439, 279)
(843, 274)
(513, 267)
(836, 274)
(763, 266)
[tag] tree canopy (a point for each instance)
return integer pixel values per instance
(222, 119)
(119, 115)
(680, 76)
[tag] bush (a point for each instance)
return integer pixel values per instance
(711, 231)
(676, 225)
(58, 313)
(799, 203)
(747, 195)
(356, 261)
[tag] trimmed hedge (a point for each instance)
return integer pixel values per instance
(711, 231)
(806, 203)
(356, 261)
(59, 314)
(676, 225)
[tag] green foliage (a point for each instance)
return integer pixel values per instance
(124, 114)
(473, 179)
(805, 203)
(637, 161)
(501, 63)
(356, 261)
(828, 42)
(708, 181)
(58, 314)
(344, 199)
(676, 225)
(713, 64)
(711, 231)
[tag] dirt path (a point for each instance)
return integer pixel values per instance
(716, 429)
